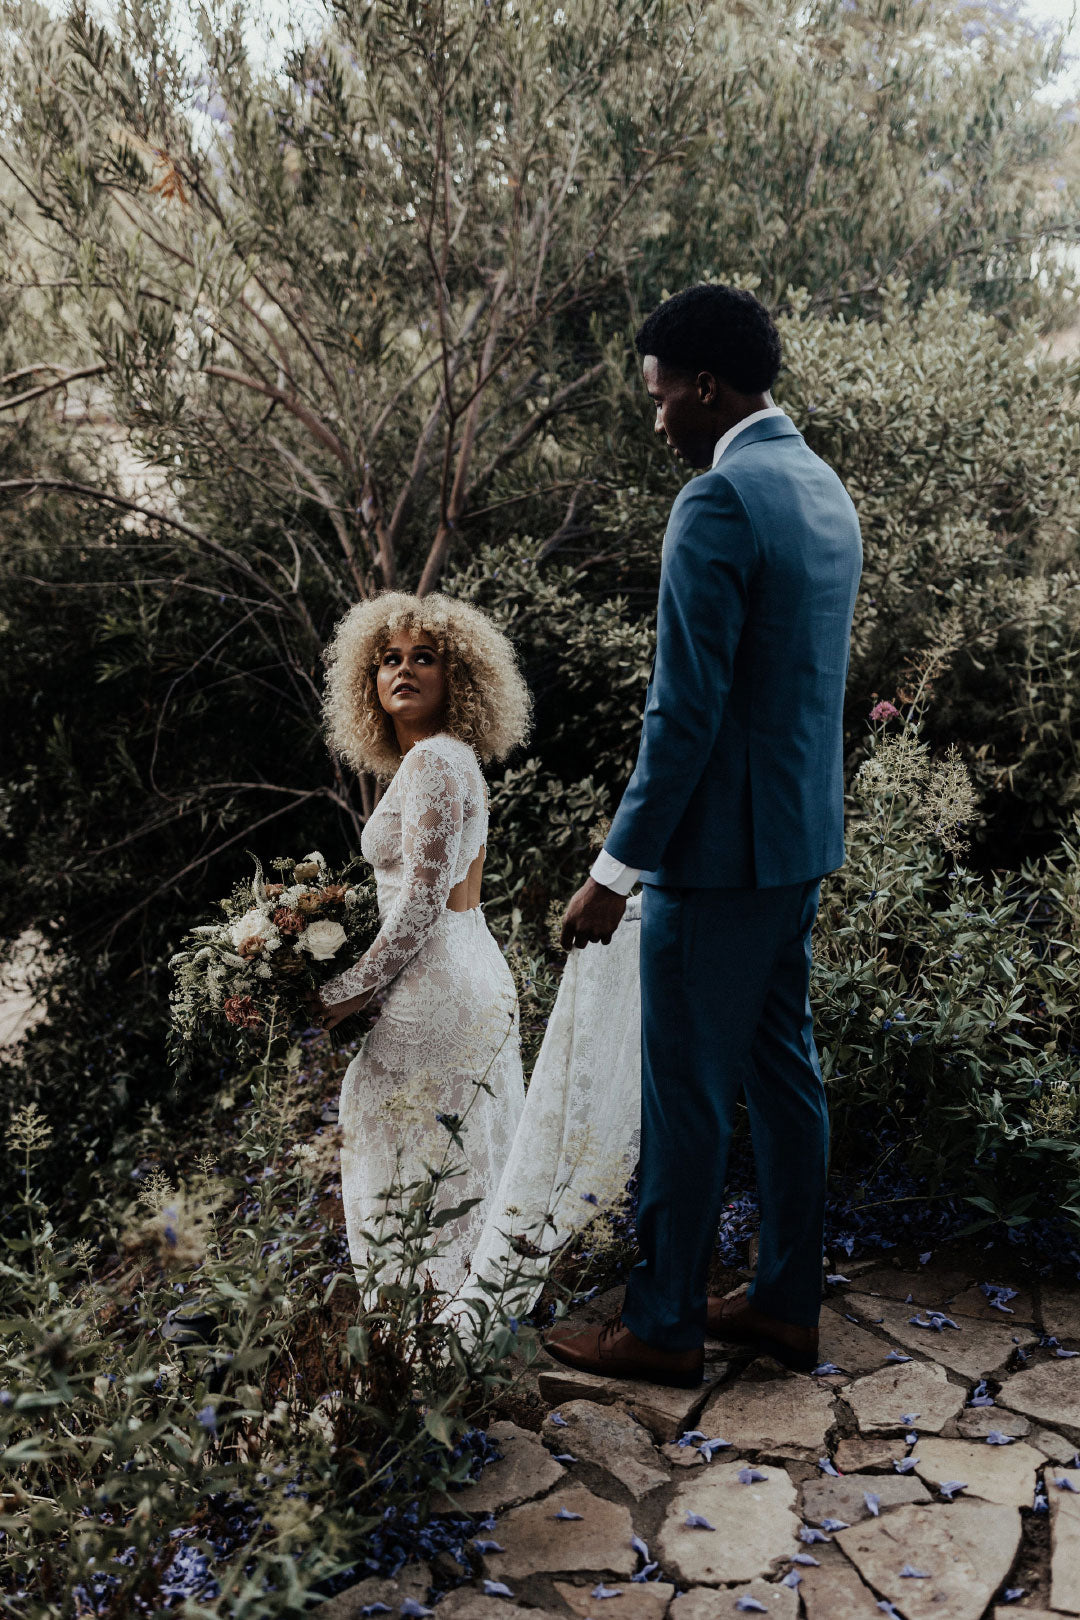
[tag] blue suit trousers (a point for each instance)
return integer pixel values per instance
(725, 1009)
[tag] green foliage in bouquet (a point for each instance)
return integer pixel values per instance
(258, 970)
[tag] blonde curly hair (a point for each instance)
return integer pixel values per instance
(488, 706)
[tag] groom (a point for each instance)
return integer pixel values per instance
(732, 816)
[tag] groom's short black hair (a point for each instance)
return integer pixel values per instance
(715, 328)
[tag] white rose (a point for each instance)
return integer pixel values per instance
(322, 938)
(255, 930)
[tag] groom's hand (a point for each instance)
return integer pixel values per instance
(592, 915)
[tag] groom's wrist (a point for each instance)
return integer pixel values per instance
(613, 874)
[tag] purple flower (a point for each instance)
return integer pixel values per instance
(697, 1521)
(884, 711)
(208, 1418)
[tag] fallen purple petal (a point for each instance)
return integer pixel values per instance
(640, 1547)
(750, 1476)
(565, 1513)
(808, 1534)
(910, 1573)
(413, 1610)
(896, 1355)
(837, 1277)
(497, 1589)
(484, 1547)
(950, 1487)
(996, 1438)
(697, 1521)
(807, 1558)
(833, 1524)
(1011, 1593)
(828, 1467)
(601, 1591)
(904, 1465)
(873, 1502)
(1064, 1484)
(565, 1456)
(750, 1604)
(792, 1578)
(825, 1368)
(558, 1420)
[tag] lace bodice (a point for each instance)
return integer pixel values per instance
(422, 838)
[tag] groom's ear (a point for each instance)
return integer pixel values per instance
(708, 388)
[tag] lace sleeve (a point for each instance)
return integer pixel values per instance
(432, 817)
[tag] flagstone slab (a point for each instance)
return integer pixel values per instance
(967, 1548)
(647, 1600)
(1060, 1310)
(609, 1437)
(1050, 1391)
(935, 1286)
(413, 1581)
(1053, 1445)
(536, 1542)
(526, 1470)
(469, 1603)
(713, 1603)
(976, 1422)
(1009, 1611)
(1002, 1474)
(1064, 1546)
(792, 1413)
(665, 1412)
(973, 1348)
(756, 1525)
(880, 1400)
(846, 1498)
(855, 1452)
(846, 1344)
(834, 1591)
(973, 1302)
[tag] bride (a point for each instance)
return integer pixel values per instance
(421, 691)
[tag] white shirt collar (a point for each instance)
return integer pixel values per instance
(747, 421)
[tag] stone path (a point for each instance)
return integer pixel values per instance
(928, 1468)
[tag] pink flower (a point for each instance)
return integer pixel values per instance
(884, 711)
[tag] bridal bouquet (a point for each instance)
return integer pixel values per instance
(255, 971)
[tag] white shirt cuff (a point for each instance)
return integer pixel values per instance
(613, 874)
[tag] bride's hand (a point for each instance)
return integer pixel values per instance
(592, 916)
(344, 1009)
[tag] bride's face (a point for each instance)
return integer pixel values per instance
(411, 680)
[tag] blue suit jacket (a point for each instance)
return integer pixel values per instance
(739, 774)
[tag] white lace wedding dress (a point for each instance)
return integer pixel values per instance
(577, 1143)
(449, 1016)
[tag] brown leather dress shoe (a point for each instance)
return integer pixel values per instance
(612, 1350)
(735, 1320)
